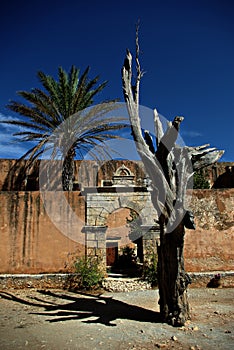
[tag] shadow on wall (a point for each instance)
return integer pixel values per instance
(19, 175)
(225, 180)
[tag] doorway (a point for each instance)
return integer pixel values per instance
(111, 254)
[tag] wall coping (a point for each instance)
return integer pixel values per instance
(41, 275)
(61, 280)
(114, 189)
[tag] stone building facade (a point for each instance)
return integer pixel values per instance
(35, 241)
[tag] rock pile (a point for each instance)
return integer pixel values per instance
(112, 284)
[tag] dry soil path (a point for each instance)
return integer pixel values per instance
(55, 319)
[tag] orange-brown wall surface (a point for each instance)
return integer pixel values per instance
(12, 173)
(87, 173)
(211, 246)
(31, 243)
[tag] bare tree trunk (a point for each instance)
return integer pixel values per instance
(170, 168)
(172, 278)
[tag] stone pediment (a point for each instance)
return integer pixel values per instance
(123, 177)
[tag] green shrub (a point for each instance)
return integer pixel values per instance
(150, 269)
(89, 271)
(200, 181)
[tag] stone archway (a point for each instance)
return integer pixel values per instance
(102, 201)
(117, 235)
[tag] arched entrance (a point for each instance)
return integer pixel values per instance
(117, 235)
(124, 243)
(101, 202)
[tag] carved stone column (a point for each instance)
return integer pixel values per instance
(95, 243)
(151, 237)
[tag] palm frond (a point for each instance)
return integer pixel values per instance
(51, 86)
(90, 94)
(54, 112)
(32, 153)
(29, 136)
(64, 95)
(34, 115)
(59, 117)
(73, 80)
(25, 125)
(78, 103)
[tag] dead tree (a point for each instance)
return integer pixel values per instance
(170, 168)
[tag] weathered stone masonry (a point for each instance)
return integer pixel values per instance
(102, 201)
(211, 245)
(31, 243)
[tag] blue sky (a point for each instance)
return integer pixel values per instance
(187, 52)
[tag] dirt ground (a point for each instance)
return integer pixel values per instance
(57, 319)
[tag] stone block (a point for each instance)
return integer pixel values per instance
(90, 237)
(101, 252)
(91, 244)
(101, 236)
(101, 221)
(150, 235)
(91, 251)
(101, 244)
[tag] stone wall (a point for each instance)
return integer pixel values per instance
(69, 281)
(220, 175)
(89, 173)
(211, 246)
(32, 243)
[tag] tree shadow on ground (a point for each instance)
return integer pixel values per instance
(86, 307)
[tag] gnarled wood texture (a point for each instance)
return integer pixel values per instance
(170, 168)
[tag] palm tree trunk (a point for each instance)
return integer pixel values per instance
(172, 278)
(68, 170)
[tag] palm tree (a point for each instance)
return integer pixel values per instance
(57, 118)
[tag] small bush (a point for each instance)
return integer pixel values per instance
(200, 182)
(89, 271)
(150, 270)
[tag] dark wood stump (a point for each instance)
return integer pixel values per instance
(172, 278)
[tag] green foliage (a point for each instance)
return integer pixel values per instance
(200, 182)
(89, 271)
(150, 269)
(57, 108)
